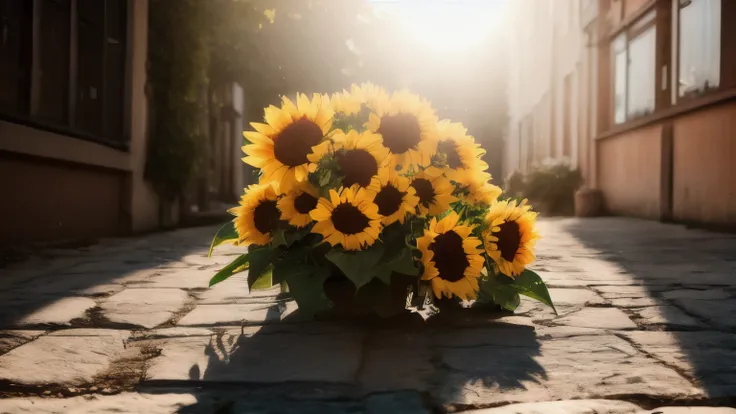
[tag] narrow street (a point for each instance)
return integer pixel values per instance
(646, 320)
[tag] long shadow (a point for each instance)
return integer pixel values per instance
(369, 365)
(690, 276)
(94, 272)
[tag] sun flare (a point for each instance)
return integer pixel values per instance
(444, 25)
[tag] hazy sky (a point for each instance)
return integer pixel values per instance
(445, 24)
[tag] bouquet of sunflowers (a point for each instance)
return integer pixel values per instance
(367, 201)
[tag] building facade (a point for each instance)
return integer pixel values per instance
(654, 118)
(74, 121)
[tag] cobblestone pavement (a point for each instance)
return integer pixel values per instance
(646, 320)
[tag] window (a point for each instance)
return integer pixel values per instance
(642, 71)
(634, 70)
(619, 80)
(62, 65)
(14, 16)
(699, 46)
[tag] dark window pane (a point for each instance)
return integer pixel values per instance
(10, 54)
(115, 68)
(53, 65)
(90, 64)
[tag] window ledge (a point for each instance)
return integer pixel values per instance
(23, 139)
(685, 107)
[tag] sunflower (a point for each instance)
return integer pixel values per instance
(349, 218)
(280, 146)
(257, 216)
(481, 191)
(395, 197)
(408, 127)
(359, 155)
(434, 193)
(296, 204)
(451, 257)
(510, 237)
(461, 155)
(351, 103)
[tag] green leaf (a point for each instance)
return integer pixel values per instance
(226, 234)
(360, 267)
(233, 267)
(259, 259)
(529, 284)
(502, 294)
(264, 282)
(307, 290)
(325, 178)
(404, 264)
(279, 238)
(287, 268)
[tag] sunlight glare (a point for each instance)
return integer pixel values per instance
(444, 25)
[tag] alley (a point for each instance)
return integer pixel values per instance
(645, 320)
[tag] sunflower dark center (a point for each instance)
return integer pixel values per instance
(424, 190)
(509, 240)
(266, 216)
(349, 219)
(292, 145)
(449, 256)
(358, 166)
(449, 148)
(400, 132)
(304, 203)
(388, 200)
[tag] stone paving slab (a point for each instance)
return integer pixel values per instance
(666, 315)
(179, 279)
(147, 308)
(233, 314)
(605, 318)
(71, 357)
(16, 338)
(204, 402)
(564, 407)
(235, 290)
(717, 312)
(691, 410)
(259, 357)
(557, 369)
(60, 312)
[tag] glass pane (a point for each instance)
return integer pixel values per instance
(115, 68)
(619, 86)
(700, 46)
(53, 67)
(90, 49)
(642, 62)
(10, 54)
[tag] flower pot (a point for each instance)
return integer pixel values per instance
(374, 299)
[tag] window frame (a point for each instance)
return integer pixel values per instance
(667, 105)
(675, 58)
(645, 20)
(28, 99)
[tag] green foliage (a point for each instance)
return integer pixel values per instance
(236, 266)
(504, 291)
(178, 62)
(360, 267)
(530, 284)
(265, 281)
(552, 188)
(226, 234)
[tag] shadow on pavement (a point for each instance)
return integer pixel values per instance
(687, 278)
(372, 366)
(65, 284)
